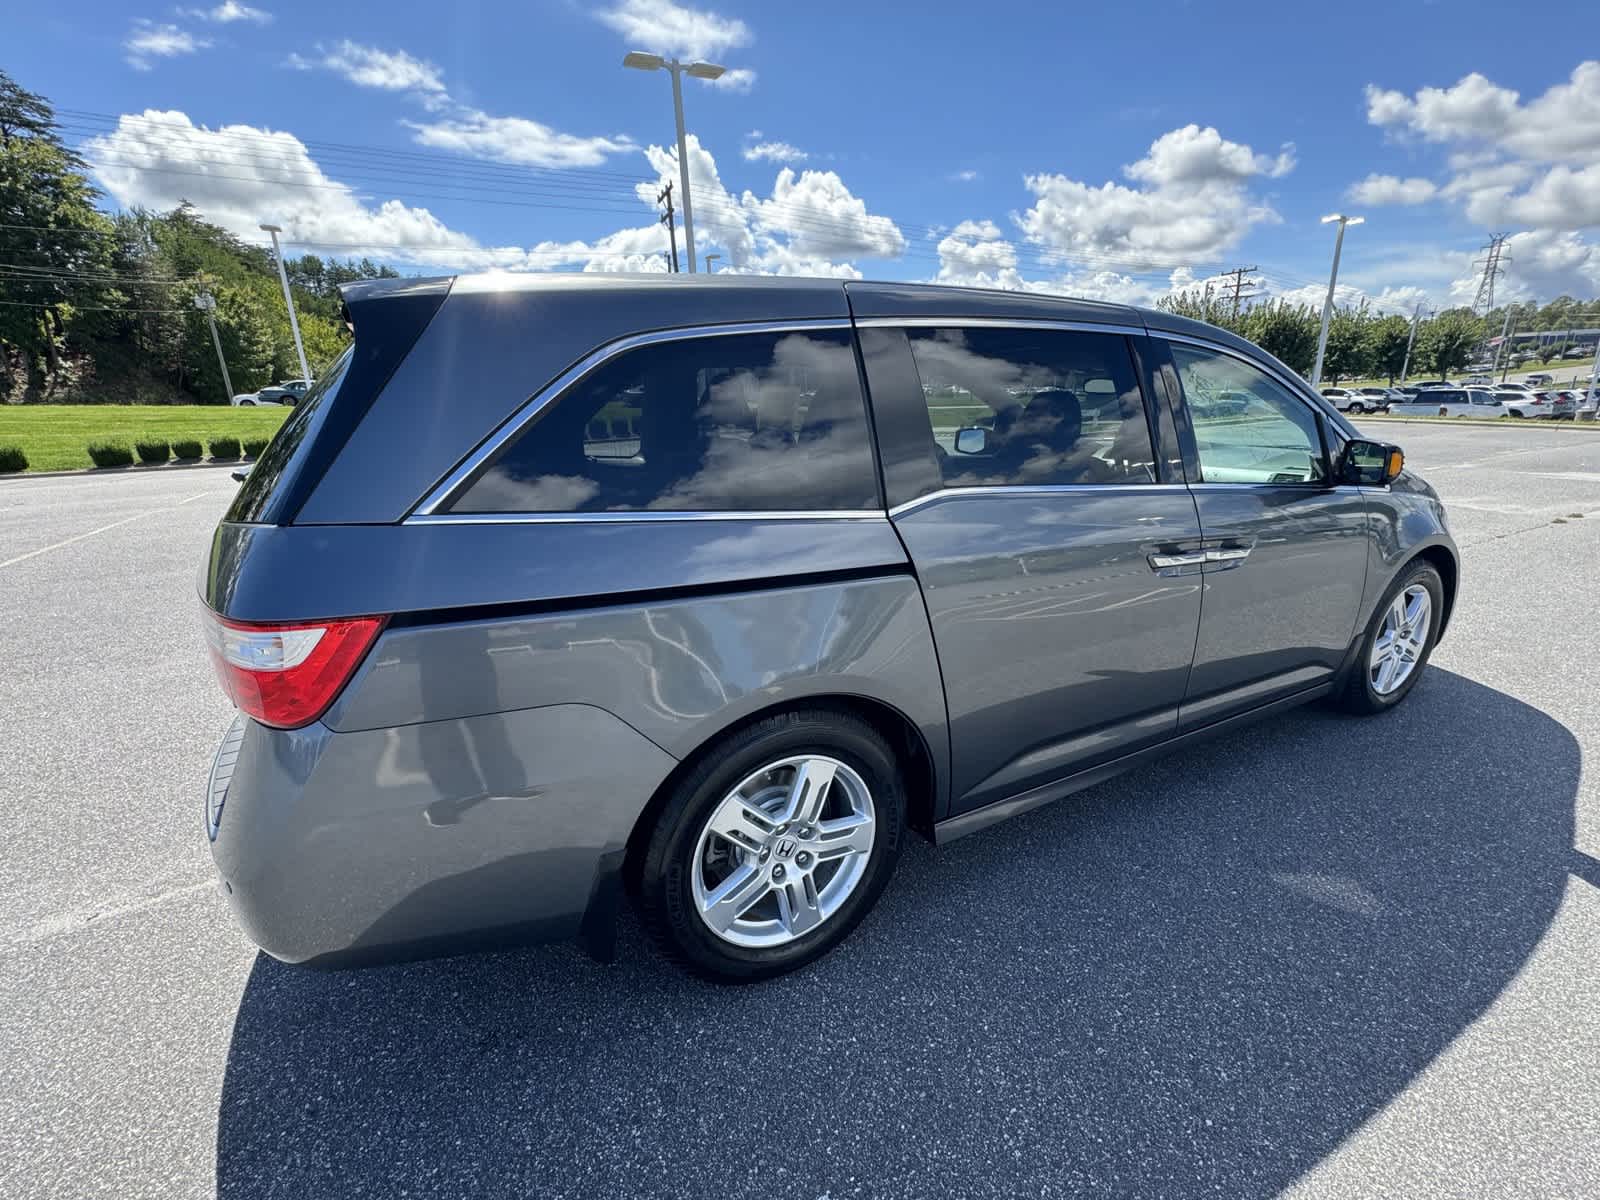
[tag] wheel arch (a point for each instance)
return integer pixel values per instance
(910, 746)
(1449, 570)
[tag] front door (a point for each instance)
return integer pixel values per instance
(1286, 552)
(1054, 557)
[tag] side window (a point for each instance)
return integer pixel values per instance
(1025, 407)
(1248, 427)
(749, 422)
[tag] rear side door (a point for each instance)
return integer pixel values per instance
(1057, 552)
(1285, 549)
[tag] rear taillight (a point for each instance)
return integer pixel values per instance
(287, 675)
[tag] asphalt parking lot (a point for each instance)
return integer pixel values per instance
(1323, 957)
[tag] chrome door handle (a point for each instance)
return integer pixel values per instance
(1191, 558)
(1226, 553)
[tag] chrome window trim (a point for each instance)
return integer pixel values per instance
(442, 491)
(1035, 490)
(998, 323)
(647, 515)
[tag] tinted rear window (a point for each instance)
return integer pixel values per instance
(256, 492)
(747, 422)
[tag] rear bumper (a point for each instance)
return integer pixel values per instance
(346, 848)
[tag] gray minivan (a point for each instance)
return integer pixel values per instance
(706, 590)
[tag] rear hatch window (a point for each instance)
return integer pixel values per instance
(280, 459)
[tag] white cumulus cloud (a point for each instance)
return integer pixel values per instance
(515, 140)
(1197, 205)
(228, 13)
(148, 40)
(1390, 189)
(776, 152)
(663, 27)
(370, 67)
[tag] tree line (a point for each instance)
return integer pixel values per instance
(98, 308)
(1367, 345)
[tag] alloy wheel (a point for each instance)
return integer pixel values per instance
(783, 851)
(1401, 640)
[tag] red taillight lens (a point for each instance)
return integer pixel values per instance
(287, 675)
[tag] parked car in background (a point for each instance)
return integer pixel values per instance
(1434, 383)
(290, 392)
(1376, 399)
(1479, 378)
(1345, 399)
(243, 400)
(1450, 402)
(1530, 405)
(495, 679)
(1559, 406)
(1539, 380)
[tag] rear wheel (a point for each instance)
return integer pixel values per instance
(1357, 407)
(775, 846)
(1397, 643)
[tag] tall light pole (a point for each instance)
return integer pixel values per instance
(700, 70)
(1411, 341)
(207, 303)
(709, 258)
(1333, 278)
(283, 278)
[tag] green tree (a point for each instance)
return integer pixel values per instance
(53, 243)
(1349, 353)
(1387, 338)
(1447, 342)
(1202, 304)
(1287, 331)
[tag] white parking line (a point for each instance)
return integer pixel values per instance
(11, 562)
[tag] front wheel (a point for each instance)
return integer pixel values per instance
(1397, 643)
(775, 846)
(1357, 408)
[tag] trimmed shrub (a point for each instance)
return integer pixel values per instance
(187, 450)
(151, 450)
(254, 446)
(13, 459)
(110, 454)
(224, 447)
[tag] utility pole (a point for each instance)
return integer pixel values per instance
(1241, 291)
(668, 219)
(207, 303)
(294, 321)
(1490, 262)
(1410, 341)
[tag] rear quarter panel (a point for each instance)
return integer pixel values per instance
(679, 671)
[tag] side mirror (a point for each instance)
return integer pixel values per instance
(974, 439)
(1370, 464)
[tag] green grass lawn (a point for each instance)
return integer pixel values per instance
(55, 437)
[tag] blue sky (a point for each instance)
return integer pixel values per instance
(1111, 150)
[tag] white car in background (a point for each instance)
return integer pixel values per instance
(1450, 402)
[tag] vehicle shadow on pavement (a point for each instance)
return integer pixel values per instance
(1198, 978)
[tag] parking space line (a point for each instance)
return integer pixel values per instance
(11, 562)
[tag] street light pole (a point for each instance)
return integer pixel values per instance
(1410, 341)
(1333, 279)
(709, 258)
(294, 322)
(700, 70)
(207, 303)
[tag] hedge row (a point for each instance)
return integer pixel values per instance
(151, 452)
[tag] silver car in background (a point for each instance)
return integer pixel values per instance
(708, 591)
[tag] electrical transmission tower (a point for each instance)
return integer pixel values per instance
(1493, 256)
(669, 219)
(1242, 291)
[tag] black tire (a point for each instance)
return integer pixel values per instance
(1358, 408)
(1359, 696)
(665, 886)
